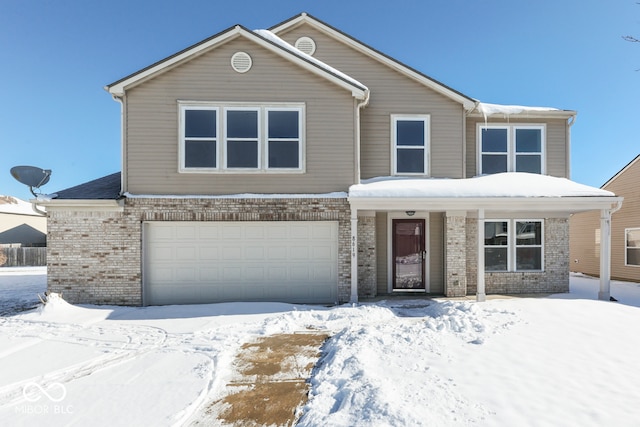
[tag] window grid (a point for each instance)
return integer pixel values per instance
(513, 152)
(420, 157)
(497, 246)
(223, 142)
(632, 247)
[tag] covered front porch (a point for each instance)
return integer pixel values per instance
(498, 234)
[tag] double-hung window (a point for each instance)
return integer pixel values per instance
(511, 148)
(632, 246)
(513, 245)
(200, 138)
(410, 136)
(241, 138)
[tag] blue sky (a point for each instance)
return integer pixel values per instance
(58, 55)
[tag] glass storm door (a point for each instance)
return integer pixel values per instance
(409, 255)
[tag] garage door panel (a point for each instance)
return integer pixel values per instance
(202, 262)
(255, 253)
(209, 253)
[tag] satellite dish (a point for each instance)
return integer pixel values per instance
(31, 176)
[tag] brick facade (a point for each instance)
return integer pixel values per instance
(554, 278)
(367, 273)
(96, 257)
(455, 248)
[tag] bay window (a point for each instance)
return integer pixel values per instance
(241, 138)
(513, 245)
(511, 148)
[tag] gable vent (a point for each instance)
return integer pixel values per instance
(306, 45)
(241, 62)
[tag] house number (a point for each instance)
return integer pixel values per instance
(353, 246)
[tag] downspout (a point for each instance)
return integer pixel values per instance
(570, 123)
(359, 106)
(120, 100)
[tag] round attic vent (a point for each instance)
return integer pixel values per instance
(241, 62)
(306, 45)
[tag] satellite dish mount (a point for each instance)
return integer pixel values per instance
(31, 176)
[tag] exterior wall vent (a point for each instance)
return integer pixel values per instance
(241, 62)
(306, 45)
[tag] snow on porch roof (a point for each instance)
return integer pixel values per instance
(501, 185)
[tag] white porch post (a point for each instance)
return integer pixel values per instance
(605, 255)
(480, 292)
(354, 255)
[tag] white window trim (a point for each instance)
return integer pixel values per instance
(221, 139)
(626, 248)
(511, 143)
(426, 118)
(182, 138)
(512, 244)
(258, 139)
(299, 140)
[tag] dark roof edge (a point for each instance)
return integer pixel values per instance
(155, 64)
(105, 188)
(628, 165)
(374, 50)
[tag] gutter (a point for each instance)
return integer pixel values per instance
(359, 107)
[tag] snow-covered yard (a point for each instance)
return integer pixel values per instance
(559, 361)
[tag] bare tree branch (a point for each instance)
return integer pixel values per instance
(631, 39)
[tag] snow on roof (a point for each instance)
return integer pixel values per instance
(510, 184)
(13, 205)
(334, 195)
(489, 110)
(277, 40)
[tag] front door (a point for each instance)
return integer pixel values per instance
(409, 255)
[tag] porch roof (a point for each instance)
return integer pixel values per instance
(511, 191)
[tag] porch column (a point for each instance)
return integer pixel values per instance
(354, 255)
(480, 293)
(605, 255)
(455, 253)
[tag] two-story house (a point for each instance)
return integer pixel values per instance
(299, 164)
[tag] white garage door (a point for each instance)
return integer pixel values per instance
(203, 262)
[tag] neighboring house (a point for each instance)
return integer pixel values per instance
(20, 225)
(299, 164)
(586, 235)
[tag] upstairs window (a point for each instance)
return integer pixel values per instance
(242, 138)
(632, 246)
(247, 138)
(512, 148)
(410, 135)
(513, 245)
(200, 139)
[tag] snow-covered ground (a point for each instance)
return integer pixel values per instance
(566, 360)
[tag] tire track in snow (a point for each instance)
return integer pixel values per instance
(117, 342)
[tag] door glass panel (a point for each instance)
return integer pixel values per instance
(408, 241)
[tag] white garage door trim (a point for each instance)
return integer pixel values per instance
(190, 262)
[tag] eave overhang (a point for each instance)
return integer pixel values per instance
(119, 87)
(566, 205)
(81, 205)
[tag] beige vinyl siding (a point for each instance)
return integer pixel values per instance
(584, 251)
(152, 145)
(555, 149)
(392, 93)
(583, 227)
